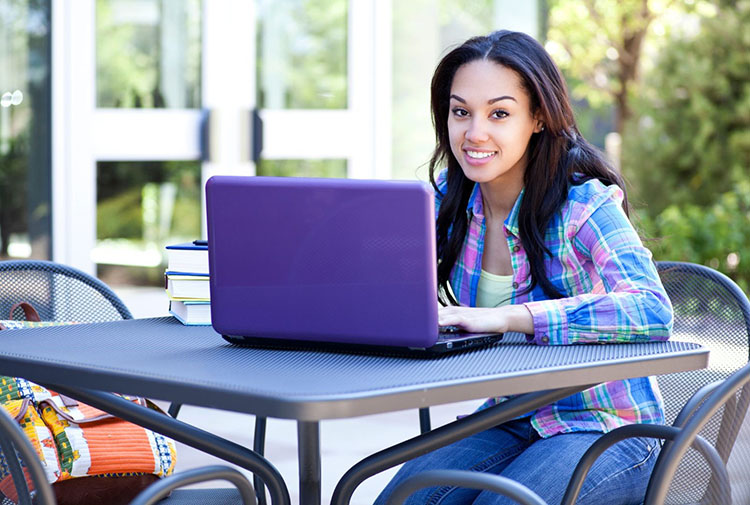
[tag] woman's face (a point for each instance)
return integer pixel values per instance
(490, 121)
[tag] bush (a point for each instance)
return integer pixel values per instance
(687, 153)
(717, 235)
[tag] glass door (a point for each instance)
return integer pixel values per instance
(127, 100)
(324, 87)
(25, 141)
(152, 97)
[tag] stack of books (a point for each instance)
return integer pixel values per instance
(186, 282)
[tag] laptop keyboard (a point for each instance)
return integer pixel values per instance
(450, 329)
(448, 332)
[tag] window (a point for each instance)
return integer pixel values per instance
(142, 207)
(302, 51)
(148, 53)
(25, 138)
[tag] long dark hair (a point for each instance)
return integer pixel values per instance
(554, 155)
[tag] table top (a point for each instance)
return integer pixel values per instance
(162, 359)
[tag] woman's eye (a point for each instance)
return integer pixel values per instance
(499, 114)
(459, 112)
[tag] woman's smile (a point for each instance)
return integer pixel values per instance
(476, 157)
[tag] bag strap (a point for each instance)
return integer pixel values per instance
(23, 409)
(70, 402)
(60, 412)
(29, 311)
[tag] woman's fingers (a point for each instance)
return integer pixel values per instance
(474, 319)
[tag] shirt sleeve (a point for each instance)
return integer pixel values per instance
(632, 307)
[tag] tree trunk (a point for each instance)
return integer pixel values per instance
(629, 57)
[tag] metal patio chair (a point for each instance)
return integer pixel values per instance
(709, 309)
(729, 400)
(57, 292)
(63, 293)
(21, 459)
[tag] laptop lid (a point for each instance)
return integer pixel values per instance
(325, 260)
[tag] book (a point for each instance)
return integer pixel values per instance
(188, 257)
(190, 312)
(186, 286)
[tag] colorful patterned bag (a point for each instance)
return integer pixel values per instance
(89, 456)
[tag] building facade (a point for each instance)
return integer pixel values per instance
(113, 113)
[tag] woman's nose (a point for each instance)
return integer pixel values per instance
(477, 131)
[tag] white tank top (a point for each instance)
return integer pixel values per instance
(494, 290)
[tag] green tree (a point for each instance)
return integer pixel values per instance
(600, 44)
(689, 153)
(692, 141)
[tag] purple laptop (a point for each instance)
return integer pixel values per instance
(332, 263)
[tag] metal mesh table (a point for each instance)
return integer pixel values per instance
(160, 358)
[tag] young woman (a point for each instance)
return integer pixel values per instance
(533, 237)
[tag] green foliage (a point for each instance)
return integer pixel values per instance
(13, 188)
(302, 168)
(120, 206)
(717, 235)
(688, 155)
(692, 141)
(125, 74)
(129, 58)
(594, 122)
(323, 84)
(120, 216)
(579, 45)
(602, 45)
(306, 54)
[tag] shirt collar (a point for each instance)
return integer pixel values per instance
(511, 223)
(475, 207)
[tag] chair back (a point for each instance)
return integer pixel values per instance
(709, 309)
(57, 292)
(728, 402)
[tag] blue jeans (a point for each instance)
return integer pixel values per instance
(515, 450)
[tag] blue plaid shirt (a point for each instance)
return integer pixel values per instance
(612, 294)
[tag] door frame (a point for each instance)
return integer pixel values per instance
(83, 134)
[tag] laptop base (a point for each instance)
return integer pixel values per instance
(446, 345)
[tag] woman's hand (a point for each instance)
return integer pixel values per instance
(488, 320)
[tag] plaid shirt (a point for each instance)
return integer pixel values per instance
(613, 294)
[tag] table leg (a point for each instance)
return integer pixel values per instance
(308, 443)
(424, 420)
(259, 446)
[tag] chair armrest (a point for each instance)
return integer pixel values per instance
(161, 489)
(649, 431)
(15, 470)
(464, 478)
